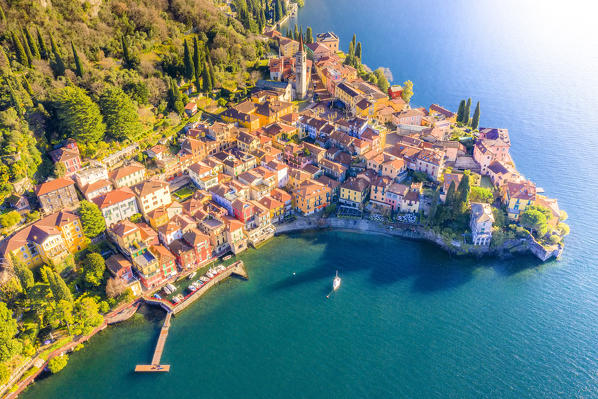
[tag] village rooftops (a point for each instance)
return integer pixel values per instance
(53, 185)
(525, 190)
(149, 187)
(126, 171)
(113, 197)
(441, 110)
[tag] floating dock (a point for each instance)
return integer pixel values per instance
(156, 367)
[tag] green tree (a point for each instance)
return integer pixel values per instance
(207, 79)
(19, 50)
(57, 63)
(92, 219)
(58, 363)
(58, 287)
(278, 13)
(78, 65)
(9, 346)
(27, 50)
(31, 43)
(535, 221)
(407, 91)
(23, 273)
(463, 192)
(120, 114)
(78, 115)
(86, 315)
(358, 52)
(309, 39)
(43, 49)
(93, 268)
(451, 194)
(461, 111)
(189, 70)
(475, 121)
(467, 112)
(382, 81)
(481, 194)
(10, 219)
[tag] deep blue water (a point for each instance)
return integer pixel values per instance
(409, 321)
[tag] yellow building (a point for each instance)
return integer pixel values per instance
(252, 115)
(354, 192)
(310, 197)
(49, 240)
(275, 207)
(517, 196)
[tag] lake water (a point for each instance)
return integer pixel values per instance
(409, 321)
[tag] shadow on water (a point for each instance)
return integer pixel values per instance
(394, 259)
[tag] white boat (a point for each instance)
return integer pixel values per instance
(192, 275)
(210, 275)
(336, 282)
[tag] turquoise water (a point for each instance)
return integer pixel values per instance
(409, 321)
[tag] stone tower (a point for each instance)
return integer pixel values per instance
(301, 72)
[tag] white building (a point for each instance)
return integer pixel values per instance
(481, 223)
(117, 205)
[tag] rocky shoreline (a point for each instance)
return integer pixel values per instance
(509, 248)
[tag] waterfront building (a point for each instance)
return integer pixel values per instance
(310, 197)
(517, 196)
(354, 192)
(481, 223)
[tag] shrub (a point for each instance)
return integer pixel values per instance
(57, 363)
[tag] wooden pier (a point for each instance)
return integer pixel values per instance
(237, 268)
(156, 367)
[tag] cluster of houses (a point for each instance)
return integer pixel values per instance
(264, 161)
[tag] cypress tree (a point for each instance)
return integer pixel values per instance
(27, 50)
(31, 43)
(27, 87)
(450, 194)
(207, 79)
(187, 61)
(23, 273)
(57, 62)
(78, 65)
(43, 50)
(358, 51)
(461, 111)
(309, 39)
(19, 50)
(301, 33)
(126, 56)
(279, 12)
(212, 74)
(467, 113)
(354, 40)
(462, 195)
(283, 8)
(59, 289)
(197, 57)
(475, 122)
(4, 63)
(2, 15)
(296, 33)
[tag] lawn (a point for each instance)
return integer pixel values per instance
(183, 193)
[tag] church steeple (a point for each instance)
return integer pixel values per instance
(301, 72)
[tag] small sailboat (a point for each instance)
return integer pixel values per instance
(336, 283)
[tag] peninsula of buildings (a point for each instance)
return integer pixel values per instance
(312, 141)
